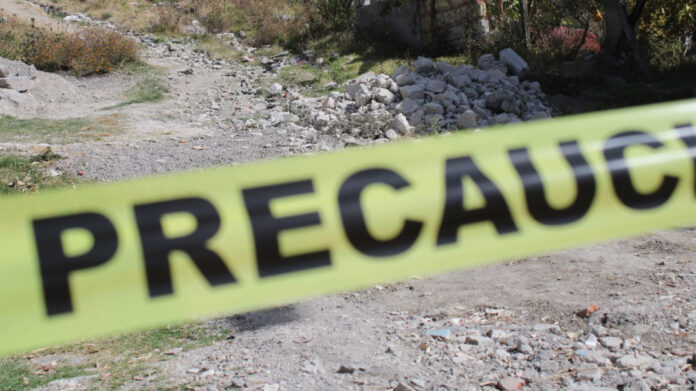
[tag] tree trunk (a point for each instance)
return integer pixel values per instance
(620, 36)
(524, 15)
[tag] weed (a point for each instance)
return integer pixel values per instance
(17, 375)
(121, 358)
(147, 90)
(21, 174)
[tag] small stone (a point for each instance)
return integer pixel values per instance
(366, 78)
(354, 89)
(402, 70)
(173, 352)
(486, 61)
(592, 373)
(271, 387)
(478, 340)
(461, 81)
(632, 361)
(549, 366)
(392, 134)
(510, 384)
(274, 89)
(402, 387)
(440, 333)
(4, 71)
(495, 100)
(407, 106)
(467, 120)
(345, 369)
(424, 65)
(611, 343)
(412, 92)
(363, 99)
(405, 79)
(187, 71)
(384, 96)
(418, 382)
(436, 86)
(636, 385)
(433, 108)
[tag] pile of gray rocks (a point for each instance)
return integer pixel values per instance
(436, 96)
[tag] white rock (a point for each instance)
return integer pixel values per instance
(274, 89)
(354, 89)
(362, 99)
(391, 134)
(400, 124)
(384, 96)
(321, 119)
(383, 81)
(366, 78)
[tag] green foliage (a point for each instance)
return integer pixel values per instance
(663, 29)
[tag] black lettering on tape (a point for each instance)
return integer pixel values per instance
(56, 266)
(535, 195)
(266, 229)
(688, 136)
(354, 220)
(614, 153)
(157, 247)
(455, 215)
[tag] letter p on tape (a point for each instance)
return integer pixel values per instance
(124, 256)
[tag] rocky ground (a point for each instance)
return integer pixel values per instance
(616, 316)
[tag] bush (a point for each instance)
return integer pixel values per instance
(90, 51)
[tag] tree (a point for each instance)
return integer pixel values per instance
(620, 32)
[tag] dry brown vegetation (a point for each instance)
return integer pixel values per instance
(93, 50)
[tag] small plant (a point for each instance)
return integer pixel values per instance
(146, 90)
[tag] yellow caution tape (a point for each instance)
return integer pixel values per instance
(124, 256)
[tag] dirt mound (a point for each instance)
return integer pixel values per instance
(28, 93)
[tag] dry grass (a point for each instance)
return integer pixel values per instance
(92, 50)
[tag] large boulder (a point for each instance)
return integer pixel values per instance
(514, 62)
